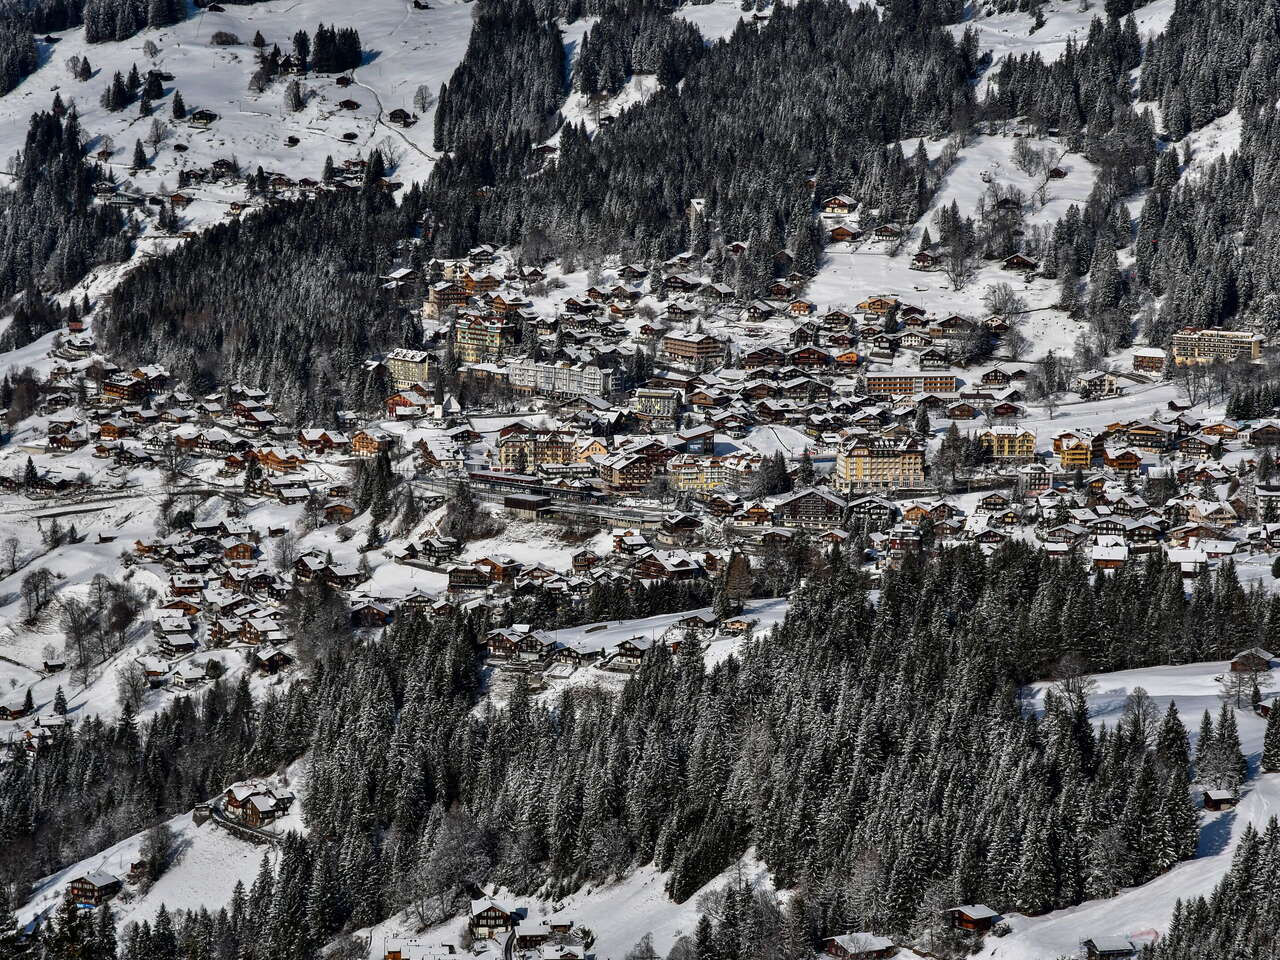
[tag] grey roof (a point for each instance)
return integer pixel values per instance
(100, 878)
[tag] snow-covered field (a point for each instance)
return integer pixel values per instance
(404, 48)
(619, 914)
(209, 862)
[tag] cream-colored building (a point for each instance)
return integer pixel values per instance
(879, 463)
(690, 472)
(526, 449)
(656, 404)
(559, 378)
(1009, 443)
(408, 367)
(1191, 345)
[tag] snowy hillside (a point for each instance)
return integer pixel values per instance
(1142, 913)
(300, 511)
(1013, 34)
(404, 48)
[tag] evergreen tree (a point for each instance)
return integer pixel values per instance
(9, 939)
(1271, 742)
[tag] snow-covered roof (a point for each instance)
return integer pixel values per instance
(975, 911)
(1112, 944)
(863, 942)
(479, 906)
(1255, 651)
(99, 878)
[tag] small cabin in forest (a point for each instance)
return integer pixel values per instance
(972, 917)
(1220, 800)
(1109, 948)
(859, 946)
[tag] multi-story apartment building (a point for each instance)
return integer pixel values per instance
(559, 378)
(907, 382)
(408, 367)
(1192, 345)
(879, 463)
(656, 405)
(481, 339)
(1149, 360)
(525, 449)
(444, 295)
(690, 472)
(625, 472)
(1009, 443)
(698, 351)
(1075, 454)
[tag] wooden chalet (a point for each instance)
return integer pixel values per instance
(973, 918)
(95, 889)
(1220, 800)
(1253, 660)
(859, 946)
(1265, 435)
(489, 919)
(1020, 264)
(1108, 948)
(814, 507)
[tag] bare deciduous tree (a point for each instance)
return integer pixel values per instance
(456, 855)
(1003, 301)
(295, 96)
(286, 551)
(131, 684)
(424, 99)
(158, 133)
(9, 553)
(36, 591)
(959, 266)
(1016, 343)
(157, 851)
(1192, 381)
(392, 150)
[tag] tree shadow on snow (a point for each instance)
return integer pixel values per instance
(1215, 835)
(178, 851)
(44, 53)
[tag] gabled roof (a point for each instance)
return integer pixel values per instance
(975, 911)
(99, 878)
(863, 942)
(1255, 651)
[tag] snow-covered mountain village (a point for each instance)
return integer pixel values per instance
(626, 479)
